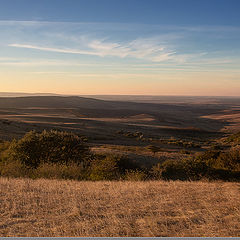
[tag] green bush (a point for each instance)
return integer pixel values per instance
(54, 154)
(44, 170)
(195, 168)
(210, 165)
(48, 147)
(172, 169)
(229, 160)
(13, 169)
(105, 168)
(61, 171)
(4, 146)
(110, 167)
(189, 169)
(135, 175)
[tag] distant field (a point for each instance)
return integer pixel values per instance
(129, 121)
(46, 208)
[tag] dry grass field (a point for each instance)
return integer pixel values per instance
(46, 208)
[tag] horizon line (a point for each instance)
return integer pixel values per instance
(153, 95)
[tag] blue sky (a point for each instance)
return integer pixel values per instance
(159, 47)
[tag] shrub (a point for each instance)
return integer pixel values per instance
(229, 160)
(170, 169)
(209, 156)
(195, 168)
(14, 169)
(110, 167)
(210, 165)
(156, 171)
(4, 145)
(105, 168)
(173, 169)
(135, 175)
(61, 171)
(48, 147)
(188, 169)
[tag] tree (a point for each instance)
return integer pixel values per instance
(49, 147)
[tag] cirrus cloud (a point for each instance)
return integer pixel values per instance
(147, 49)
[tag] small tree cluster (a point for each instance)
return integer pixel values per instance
(211, 165)
(49, 147)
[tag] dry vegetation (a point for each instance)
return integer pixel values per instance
(153, 208)
(180, 131)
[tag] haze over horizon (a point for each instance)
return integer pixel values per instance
(136, 47)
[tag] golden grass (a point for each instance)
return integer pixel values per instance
(46, 208)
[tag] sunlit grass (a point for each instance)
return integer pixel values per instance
(152, 208)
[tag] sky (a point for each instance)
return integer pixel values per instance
(139, 47)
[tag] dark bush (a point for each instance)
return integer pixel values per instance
(135, 175)
(223, 174)
(61, 171)
(195, 168)
(110, 167)
(49, 147)
(189, 169)
(211, 165)
(170, 169)
(105, 168)
(4, 146)
(229, 160)
(211, 154)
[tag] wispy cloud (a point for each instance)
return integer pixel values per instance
(48, 49)
(139, 48)
(138, 43)
(123, 26)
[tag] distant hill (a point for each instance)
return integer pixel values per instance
(74, 102)
(50, 102)
(115, 115)
(20, 94)
(168, 113)
(169, 99)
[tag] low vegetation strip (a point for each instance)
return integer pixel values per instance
(63, 155)
(44, 208)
